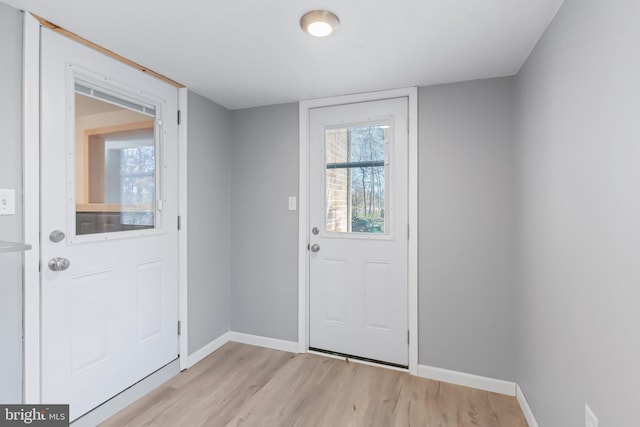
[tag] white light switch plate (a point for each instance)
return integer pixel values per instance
(590, 419)
(292, 203)
(7, 202)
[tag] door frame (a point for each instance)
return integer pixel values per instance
(303, 214)
(31, 182)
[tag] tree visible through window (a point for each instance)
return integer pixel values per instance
(137, 169)
(355, 179)
(135, 185)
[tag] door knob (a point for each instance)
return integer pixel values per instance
(59, 264)
(315, 247)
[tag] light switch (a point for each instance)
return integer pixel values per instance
(7, 202)
(292, 203)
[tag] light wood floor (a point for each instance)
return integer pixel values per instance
(242, 385)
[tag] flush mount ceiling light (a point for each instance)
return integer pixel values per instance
(319, 23)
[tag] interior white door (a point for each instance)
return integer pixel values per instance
(358, 212)
(109, 243)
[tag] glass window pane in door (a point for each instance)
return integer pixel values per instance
(355, 179)
(116, 161)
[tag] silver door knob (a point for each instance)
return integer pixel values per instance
(315, 247)
(59, 264)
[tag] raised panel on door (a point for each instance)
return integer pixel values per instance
(333, 281)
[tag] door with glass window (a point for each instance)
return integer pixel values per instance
(109, 194)
(359, 236)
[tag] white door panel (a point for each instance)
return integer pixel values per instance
(358, 207)
(110, 319)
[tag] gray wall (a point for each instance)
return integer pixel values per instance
(264, 172)
(578, 100)
(209, 216)
(466, 227)
(467, 289)
(11, 226)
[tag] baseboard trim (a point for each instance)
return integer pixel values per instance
(273, 343)
(239, 337)
(198, 355)
(467, 380)
(526, 409)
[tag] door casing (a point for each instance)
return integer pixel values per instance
(31, 182)
(303, 214)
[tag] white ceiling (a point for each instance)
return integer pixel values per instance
(247, 53)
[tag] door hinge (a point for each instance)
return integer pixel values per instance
(179, 117)
(408, 232)
(179, 328)
(408, 126)
(179, 223)
(408, 337)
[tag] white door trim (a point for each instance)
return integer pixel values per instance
(303, 213)
(31, 177)
(31, 180)
(183, 305)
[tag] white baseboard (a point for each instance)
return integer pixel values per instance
(467, 380)
(526, 409)
(207, 349)
(273, 343)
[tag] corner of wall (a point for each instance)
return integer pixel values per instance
(526, 409)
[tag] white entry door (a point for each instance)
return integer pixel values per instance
(359, 230)
(109, 194)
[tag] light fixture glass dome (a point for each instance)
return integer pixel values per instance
(319, 23)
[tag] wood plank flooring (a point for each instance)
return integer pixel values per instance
(243, 385)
